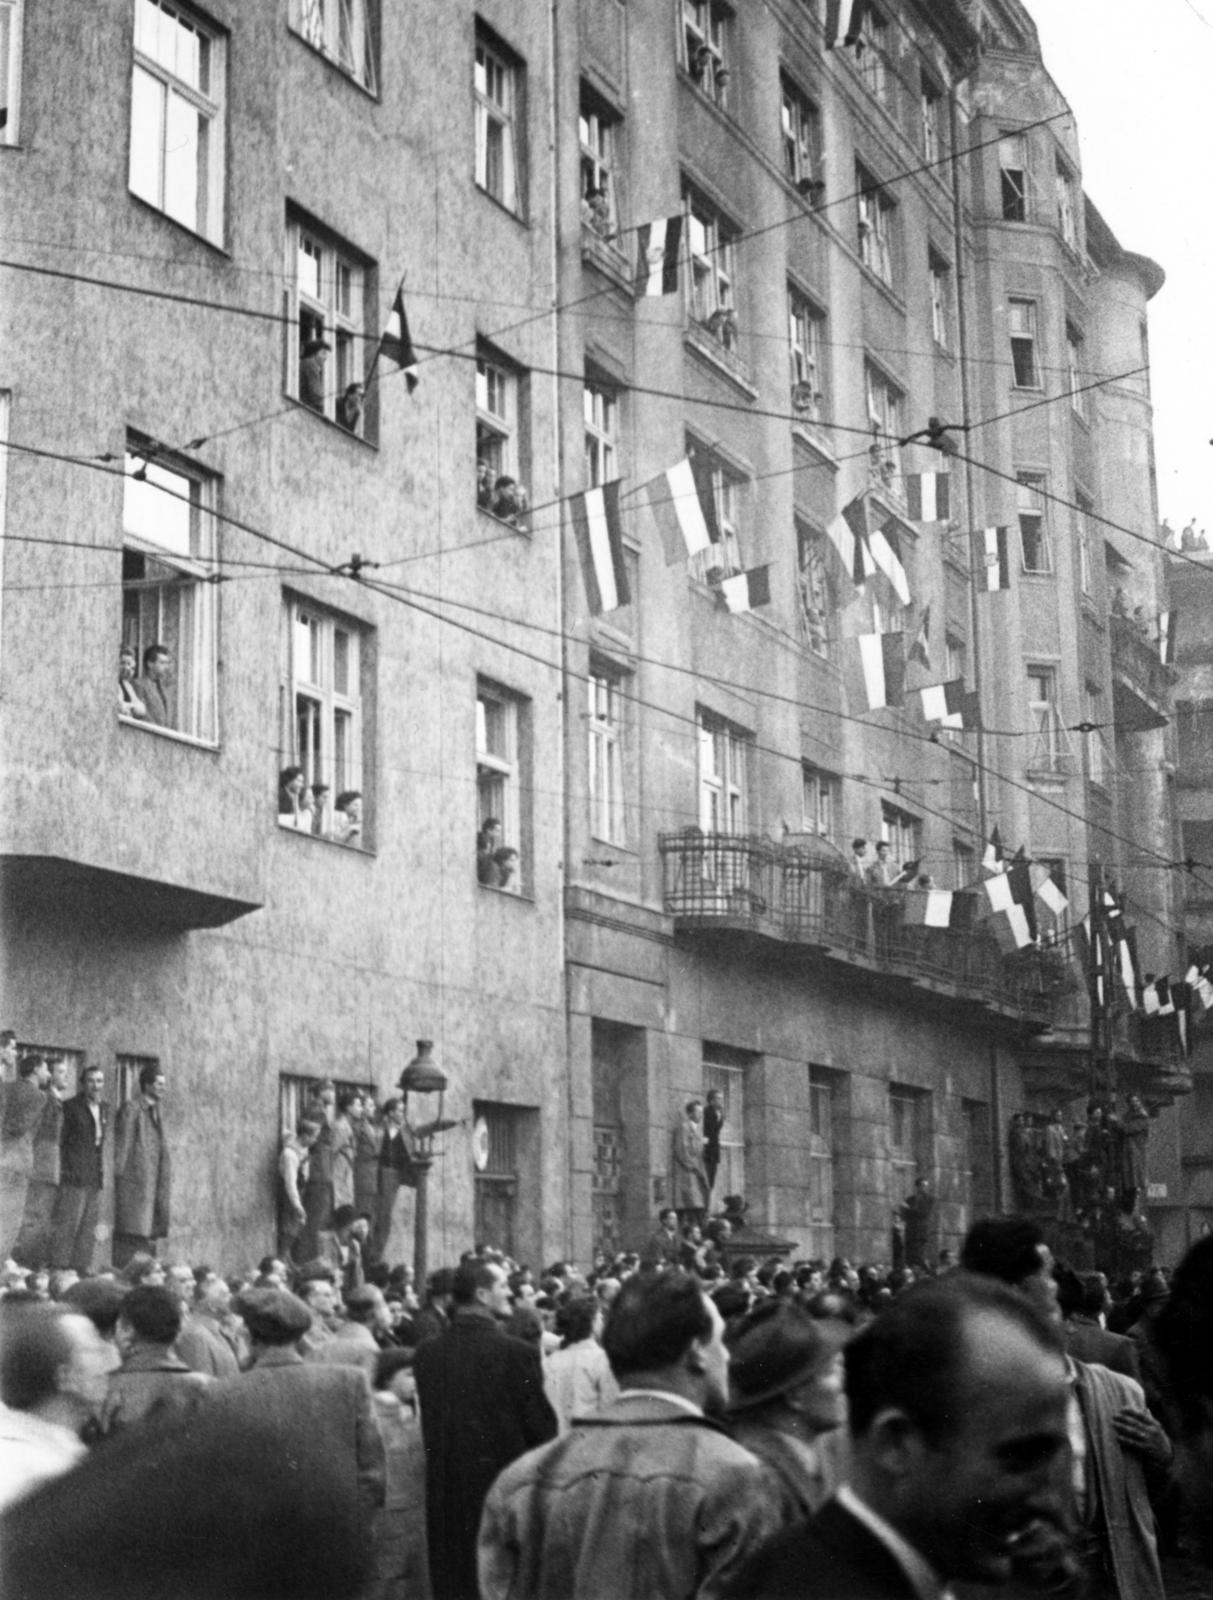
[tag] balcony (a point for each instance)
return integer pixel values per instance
(1141, 684)
(795, 896)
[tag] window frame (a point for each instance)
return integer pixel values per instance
(941, 299)
(1074, 372)
(338, 756)
(820, 1147)
(811, 554)
(338, 310)
(1067, 203)
(598, 131)
(502, 109)
(873, 53)
(1094, 710)
(876, 226)
(503, 773)
(500, 433)
(723, 775)
(932, 121)
(885, 401)
(1047, 751)
(12, 24)
(730, 486)
(343, 30)
(820, 793)
(600, 420)
(902, 832)
(208, 105)
(1015, 180)
(704, 47)
(726, 1070)
(199, 567)
(800, 133)
(1031, 506)
(806, 355)
(711, 276)
(1025, 360)
(606, 722)
(1084, 510)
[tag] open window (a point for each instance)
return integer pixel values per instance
(323, 726)
(344, 31)
(328, 289)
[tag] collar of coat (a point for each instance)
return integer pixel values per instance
(646, 1411)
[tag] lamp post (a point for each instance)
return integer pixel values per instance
(421, 1079)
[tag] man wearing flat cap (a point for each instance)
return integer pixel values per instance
(318, 1413)
(786, 1401)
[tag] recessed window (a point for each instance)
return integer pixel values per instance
(1033, 527)
(169, 603)
(902, 832)
(724, 1069)
(1013, 177)
(497, 79)
(1085, 559)
(605, 721)
(1067, 204)
(1075, 375)
(723, 775)
(876, 219)
(729, 491)
(598, 133)
(818, 601)
(502, 731)
(326, 296)
(324, 726)
(886, 417)
(873, 52)
(806, 339)
(499, 488)
(711, 241)
(1095, 713)
(1046, 749)
(10, 69)
(601, 411)
(800, 130)
(705, 47)
(342, 30)
(819, 801)
(933, 119)
(177, 116)
(1021, 318)
(941, 300)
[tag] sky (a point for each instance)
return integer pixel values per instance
(1137, 75)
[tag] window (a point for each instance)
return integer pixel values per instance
(1022, 319)
(955, 657)
(876, 221)
(10, 69)
(821, 1149)
(168, 559)
(907, 1137)
(711, 241)
(818, 602)
(326, 297)
(496, 1203)
(1093, 711)
(964, 864)
(1013, 170)
(873, 53)
(1085, 566)
(295, 1091)
(127, 1082)
(722, 776)
(597, 135)
(806, 335)
(1046, 745)
(819, 795)
(705, 41)
(932, 108)
(1033, 531)
(177, 133)
(342, 31)
(887, 615)
(1067, 211)
(728, 492)
(323, 726)
(886, 415)
(800, 128)
(1075, 376)
(941, 300)
(978, 1158)
(725, 1070)
(498, 419)
(497, 82)
(606, 699)
(501, 728)
(601, 426)
(902, 833)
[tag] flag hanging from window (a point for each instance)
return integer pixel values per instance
(599, 534)
(396, 343)
(848, 533)
(657, 248)
(994, 860)
(882, 657)
(844, 18)
(885, 554)
(684, 506)
(1168, 627)
(998, 892)
(949, 703)
(920, 650)
(746, 590)
(928, 496)
(1019, 876)
(1046, 890)
(992, 558)
(927, 908)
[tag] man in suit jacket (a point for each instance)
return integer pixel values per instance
(142, 1170)
(482, 1406)
(81, 1174)
(1084, 1298)
(395, 1172)
(957, 1397)
(713, 1123)
(33, 1246)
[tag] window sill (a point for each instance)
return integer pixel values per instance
(172, 734)
(693, 82)
(501, 206)
(184, 227)
(507, 893)
(886, 289)
(1026, 388)
(331, 422)
(606, 258)
(502, 522)
(818, 440)
(334, 65)
(360, 849)
(714, 354)
(1046, 777)
(1035, 572)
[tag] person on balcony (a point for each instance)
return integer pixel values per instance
(488, 843)
(150, 688)
(129, 703)
(690, 1175)
(347, 825)
(294, 804)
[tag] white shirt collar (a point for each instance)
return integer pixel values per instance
(678, 1400)
(923, 1578)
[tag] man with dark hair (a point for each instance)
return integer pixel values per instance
(673, 1504)
(665, 1244)
(1183, 1337)
(395, 1172)
(204, 1343)
(142, 1170)
(356, 1341)
(482, 1405)
(434, 1317)
(151, 686)
(23, 1108)
(690, 1175)
(153, 1381)
(33, 1246)
(956, 1399)
(1084, 1301)
(81, 1174)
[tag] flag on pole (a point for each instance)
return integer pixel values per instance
(928, 496)
(599, 534)
(843, 21)
(1168, 627)
(746, 590)
(950, 703)
(920, 650)
(396, 343)
(657, 247)
(684, 508)
(993, 859)
(848, 533)
(992, 559)
(1046, 890)
(885, 555)
(882, 657)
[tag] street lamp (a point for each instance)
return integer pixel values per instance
(421, 1079)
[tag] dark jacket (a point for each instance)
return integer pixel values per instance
(832, 1556)
(1087, 1341)
(482, 1406)
(80, 1159)
(152, 1386)
(46, 1141)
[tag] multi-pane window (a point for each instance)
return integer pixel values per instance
(1033, 528)
(177, 132)
(606, 734)
(705, 47)
(932, 112)
(499, 735)
(819, 795)
(1021, 319)
(326, 298)
(1067, 210)
(1013, 177)
(341, 30)
(597, 137)
(323, 725)
(817, 599)
(168, 561)
(126, 1082)
(728, 494)
(941, 300)
(907, 1135)
(806, 330)
(873, 50)
(1094, 713)
(498, 420)
(723, 765)
(955, 657)
(1074, 372)
(10, 69)
(601, 409)
(821, 1148)
(1047, 744)
(964, 864)
(888, 615)
(1086, 567)
(497, 85)
(724, 1070)
(886, 417)
(711, 247)
(877, 215)
(800, 130)
(902, 832)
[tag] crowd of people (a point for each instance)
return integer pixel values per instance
(310, 808)
(682, 1420)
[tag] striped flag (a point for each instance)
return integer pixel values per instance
(657, 247)
(843, 21)
(887, 559)
(1168, 627)
(883, 659)
(1166, 1005)
(920, 650)
(1181, 994)
(998, 892)
(396, 343)
(992, 558)
(848, 533)
(1130, 972)
(993, 860)
(1046, 890)
(1011, 930)
(928, 496)
(1019, 875)
(745, 590)
(927, 908)
(599, 535)
(949, 703)
(684, 507)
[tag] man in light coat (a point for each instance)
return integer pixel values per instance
(142, 1170)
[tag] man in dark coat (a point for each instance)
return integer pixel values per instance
(142, 1171)
(713, 1123)
(33, 1246)
(482, 1406)
(81, 1174)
